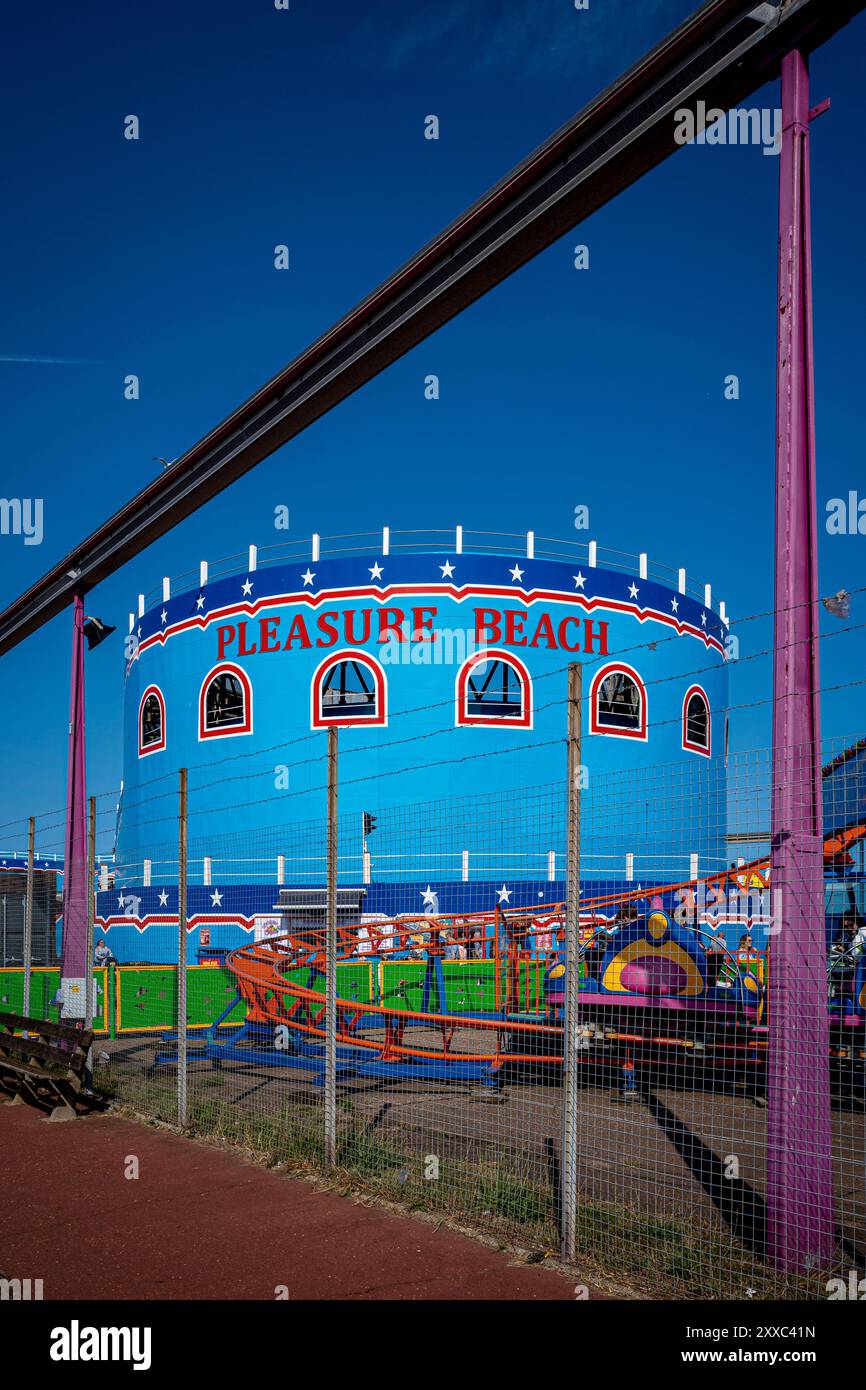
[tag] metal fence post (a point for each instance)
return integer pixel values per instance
(331, 962)
(28, 914)
(89, 983)
(801, 1233)
(181, 947)
(568, 1173)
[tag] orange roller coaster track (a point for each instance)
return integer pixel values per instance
(289, 1013)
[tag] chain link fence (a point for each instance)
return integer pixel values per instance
(603, 1075)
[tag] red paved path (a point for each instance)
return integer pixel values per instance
(201, 1223)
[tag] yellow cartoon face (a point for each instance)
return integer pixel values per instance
(648, 967)
(657, 925)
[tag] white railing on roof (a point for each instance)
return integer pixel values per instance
(455, 540)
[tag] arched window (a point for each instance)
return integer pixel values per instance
(696, 721)
(494, 689)
(151, 721)
(618, 702)
(225, 703)
(348, 688)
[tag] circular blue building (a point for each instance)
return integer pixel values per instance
(442, 658)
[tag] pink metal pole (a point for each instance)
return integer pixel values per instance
(800, 1229)
(75, 888)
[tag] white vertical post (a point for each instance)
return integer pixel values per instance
(386, 539)
(141, 605)
(681, 581)
(708, 596)
(551, 866)
(592, 557)
(281, 869)
(132, 622)
(366, 866)
(206, 871)
(317, 541)
(693, 867)
(458, 541)
(146, 876)
(642, 565)
(723, 612)
(252, 559)
(464, 865)
(103, 878)
(530, 545)
(629, 868)
(166, 588)
(202, 573)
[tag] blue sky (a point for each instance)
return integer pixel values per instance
(603, 387)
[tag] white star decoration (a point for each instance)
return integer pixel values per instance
(376, 571)
(675, 607)
(579, 580)
(516, 573)
(504, 894)
(246, 587)
(216, 898)
(308, 576)
(163, 899)
(703, 620)
(632, 588)
(447, 569)
(163, 617)
(428, 895)
(199, 603)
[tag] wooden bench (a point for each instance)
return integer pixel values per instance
(47, 1068)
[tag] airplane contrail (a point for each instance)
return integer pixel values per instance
(57, 361)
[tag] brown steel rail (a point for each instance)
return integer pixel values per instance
(722, 53)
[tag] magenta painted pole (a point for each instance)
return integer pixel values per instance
(800, 1226)
(74, 953)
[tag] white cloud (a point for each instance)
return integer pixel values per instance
(539, 37)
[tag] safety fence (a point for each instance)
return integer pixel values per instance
(582, 1013)
(447, 1081)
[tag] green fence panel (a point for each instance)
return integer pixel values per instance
(44, 984)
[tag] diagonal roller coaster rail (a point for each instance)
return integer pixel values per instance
(722, 53)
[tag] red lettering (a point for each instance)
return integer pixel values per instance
(422, 627)
(297, 633)
(388, 624)
(268, 634)
(485, 624)
(544, 630)
(514, 621)
(563, 640)
(224, 636)
(327, 625)
(589, 637)
(243, 649)
(349, 621)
